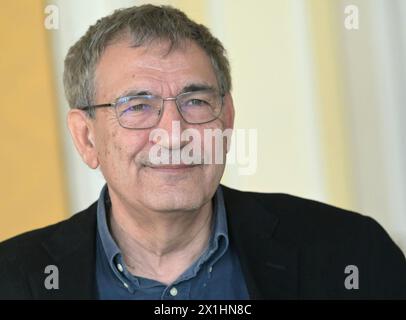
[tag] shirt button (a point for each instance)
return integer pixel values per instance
(120, 267)
(173, 292)
(125, 285)
(210, 269)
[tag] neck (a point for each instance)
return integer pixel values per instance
(161, 245)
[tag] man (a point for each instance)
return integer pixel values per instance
(168, 229)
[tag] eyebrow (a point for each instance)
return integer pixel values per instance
(188, 88)
(196, 87)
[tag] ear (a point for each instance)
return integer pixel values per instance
(82, 131)
(228, 116)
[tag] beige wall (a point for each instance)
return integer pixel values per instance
(330, 106)
(32, 189)
(287, 86)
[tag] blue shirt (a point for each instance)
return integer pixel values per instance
(216, 274)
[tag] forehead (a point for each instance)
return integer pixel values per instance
(153, 67)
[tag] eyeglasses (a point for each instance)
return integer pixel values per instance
(145, 111)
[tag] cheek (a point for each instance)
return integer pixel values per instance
(119, 150)
(214, 140)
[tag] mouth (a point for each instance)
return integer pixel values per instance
(174, 168)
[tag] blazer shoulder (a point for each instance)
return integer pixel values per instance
(330, 237)
(22, 256)
(293, 205)
(306, 220)
(30, 241)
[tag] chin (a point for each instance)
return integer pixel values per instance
(183, 191)
(176, 200)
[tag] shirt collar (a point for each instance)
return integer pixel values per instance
(216, 248)
(108, 243)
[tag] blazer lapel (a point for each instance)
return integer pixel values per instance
(71, 248)
(270, 268)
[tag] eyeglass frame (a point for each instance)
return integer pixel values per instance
(114, 104)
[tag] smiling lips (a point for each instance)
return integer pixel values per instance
(174, 167)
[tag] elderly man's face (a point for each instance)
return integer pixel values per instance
(123, 154)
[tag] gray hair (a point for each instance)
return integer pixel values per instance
(144, 24)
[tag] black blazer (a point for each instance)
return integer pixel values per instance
(288, 247)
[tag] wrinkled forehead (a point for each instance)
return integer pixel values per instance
(123, 64)
(157, 54)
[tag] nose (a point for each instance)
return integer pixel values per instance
(172, 124)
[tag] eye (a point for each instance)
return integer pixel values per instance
(135, 109)
(195, 103)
